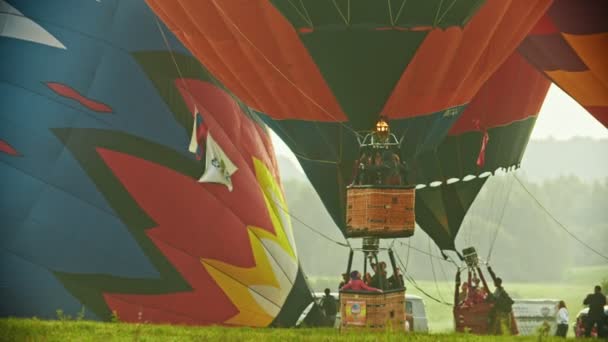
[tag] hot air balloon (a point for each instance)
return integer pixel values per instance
(322, 74)
(133, 183)
(491, 134)
(569, 44)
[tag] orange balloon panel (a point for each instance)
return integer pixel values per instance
(318, 62)
(516, 91)
(570, 45)
(451, 66)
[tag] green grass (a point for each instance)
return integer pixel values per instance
(579, 282)
(588, 275)
(36, 330)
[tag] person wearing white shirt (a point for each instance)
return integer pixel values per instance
(562, 319)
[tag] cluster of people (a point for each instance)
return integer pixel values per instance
(595, 322)
(500, 316)
(472, 294)
(379, 167)
(377, 282)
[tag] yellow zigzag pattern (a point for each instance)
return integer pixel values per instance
(259, 292)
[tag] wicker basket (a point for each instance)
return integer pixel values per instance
(381, 211)
(473, 319)
(476, 319)
(374, 311)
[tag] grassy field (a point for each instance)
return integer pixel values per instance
(36, 330)
(579, 283)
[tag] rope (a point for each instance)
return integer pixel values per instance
(413, 282)
(392, 243)
(307, 14)
(396, 20)
(390, 12)
(445, 13)
(468, 225)
(423, 252)
(345, 18)
(499, 224)
(490, 211)
(179, 71)
(346, 244)
(407, 260)
(445, 277)
(301, 156)
(561, 225)
(306, 19)
(437, 14)
(433, 270)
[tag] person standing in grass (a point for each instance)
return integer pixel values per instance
(596, 316)
(562, 319)
(501, 317)
(330, 308)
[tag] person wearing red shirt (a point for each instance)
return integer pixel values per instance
(356, 284)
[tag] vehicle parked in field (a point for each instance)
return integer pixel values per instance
(416, 313)
(579, 326)
(531, 314)
(414, 309)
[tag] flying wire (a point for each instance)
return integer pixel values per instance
(559, 223)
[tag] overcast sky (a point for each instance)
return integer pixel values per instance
(560, 117)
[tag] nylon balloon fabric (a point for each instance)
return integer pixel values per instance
(491, 134)
(105, 122)
(319, 71)
(569, 44)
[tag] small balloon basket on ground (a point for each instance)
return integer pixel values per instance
(473, 311)
(474, 319)
(384, 211)
(361, 310)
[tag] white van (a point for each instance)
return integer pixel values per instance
(414, 309)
